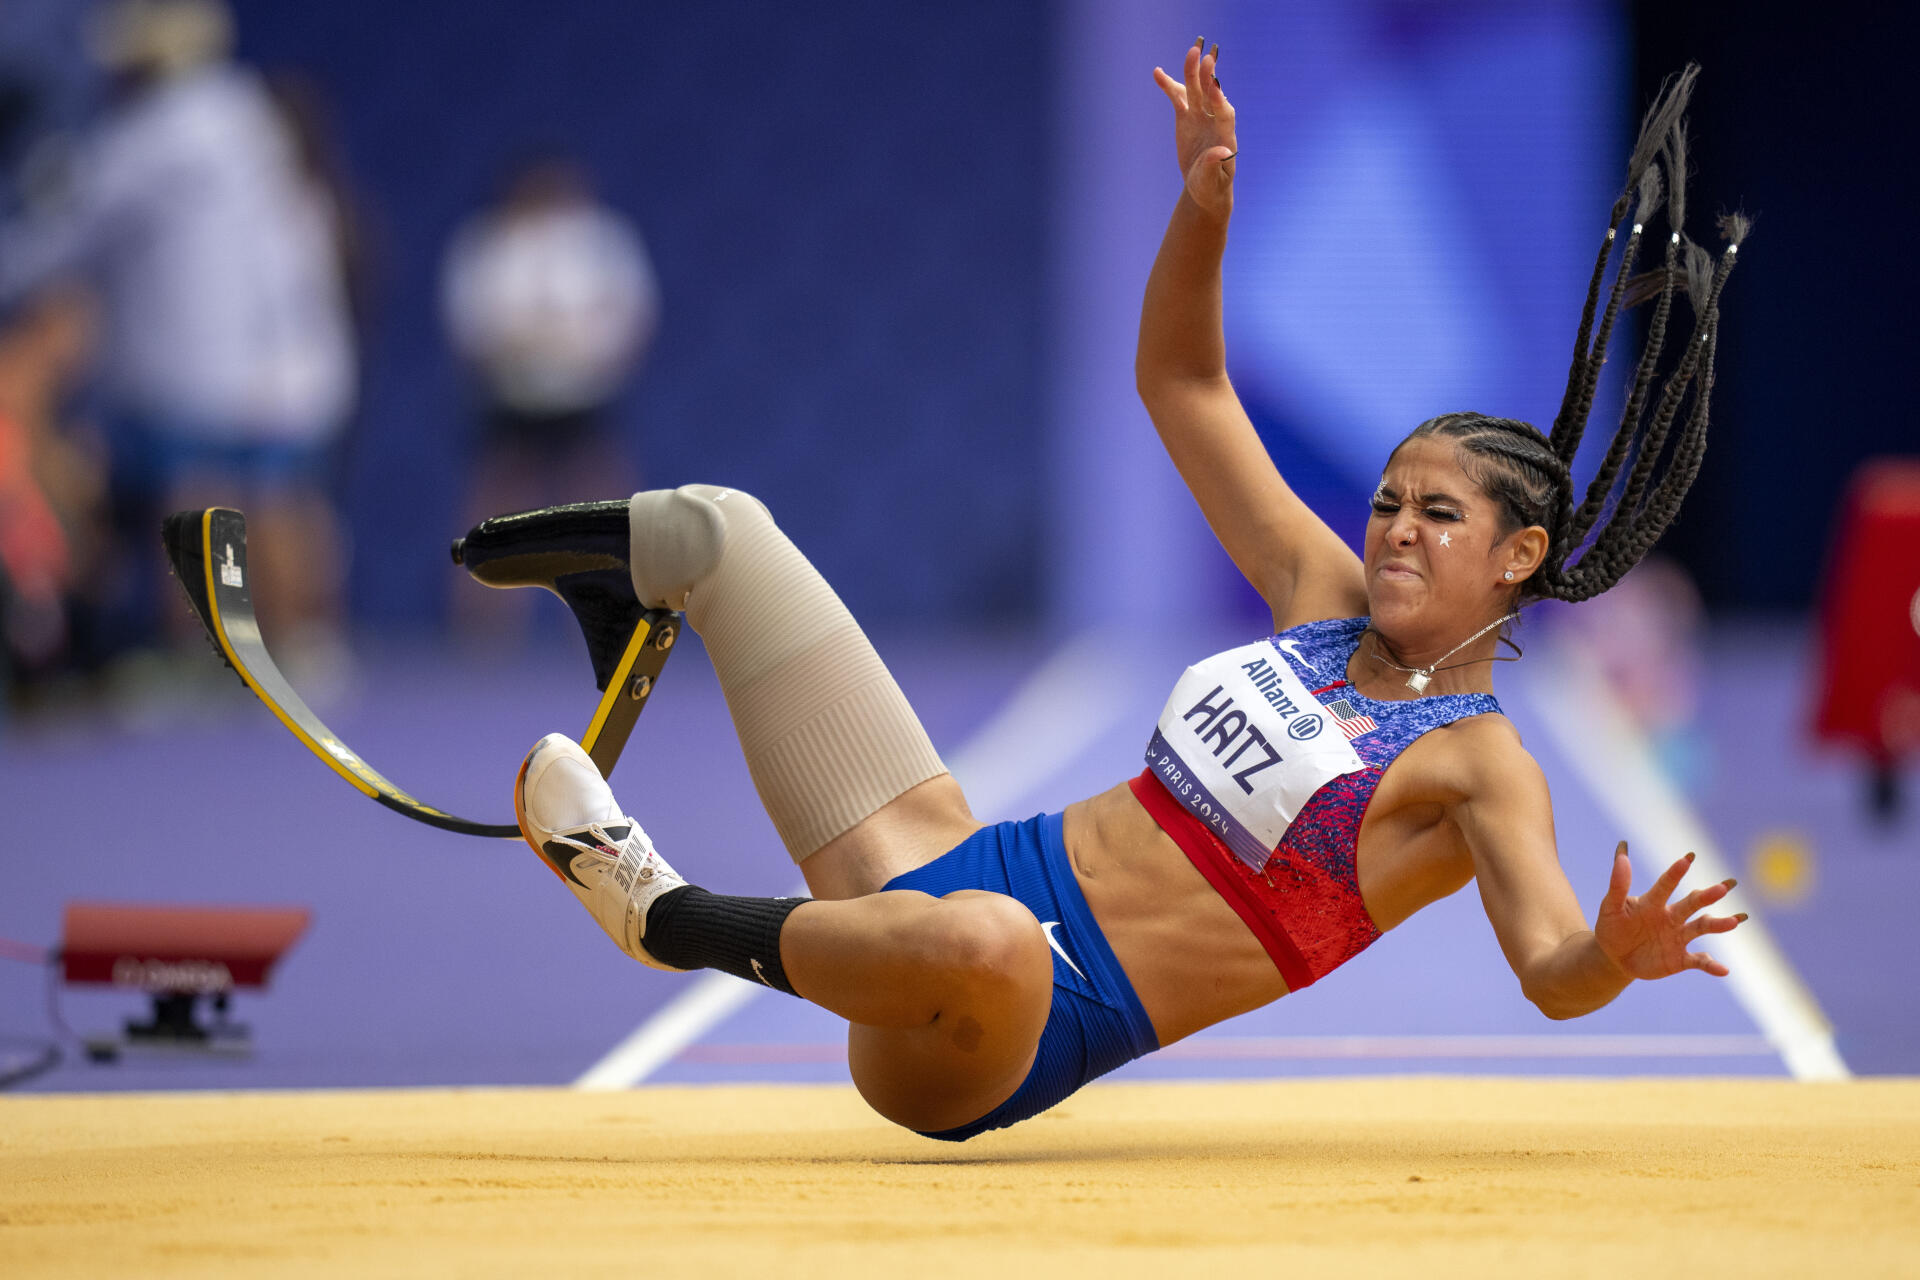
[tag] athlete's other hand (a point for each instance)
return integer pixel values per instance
(1203, 136)
(1645, 936)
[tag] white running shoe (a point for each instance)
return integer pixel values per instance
(568, 814)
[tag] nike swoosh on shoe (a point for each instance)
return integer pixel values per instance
(561, 855)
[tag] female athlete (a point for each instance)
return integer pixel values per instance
(1303, 793)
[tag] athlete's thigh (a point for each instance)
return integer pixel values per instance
(902, 835)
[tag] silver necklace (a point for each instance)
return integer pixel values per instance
(1419, 678)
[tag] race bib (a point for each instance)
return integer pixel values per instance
(1243, 745)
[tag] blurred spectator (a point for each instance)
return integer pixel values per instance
(227, 361)
(52, 484)
(16, 110)
(550, 301)
(308, 115)
(1646, 634)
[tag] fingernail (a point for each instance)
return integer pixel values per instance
(1199, 42)
(1730, 882)
(1689, 857)
(1225, 158)
(1216, 52)
(1742, 917)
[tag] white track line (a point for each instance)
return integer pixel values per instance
(707, 1001)
(1599, 742)
(1058, 713)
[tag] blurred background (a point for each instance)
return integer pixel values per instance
(372, 272)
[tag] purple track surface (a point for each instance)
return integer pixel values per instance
(437, 959)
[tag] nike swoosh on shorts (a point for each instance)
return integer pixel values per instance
(1048, 926)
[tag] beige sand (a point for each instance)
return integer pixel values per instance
(1631, 1180)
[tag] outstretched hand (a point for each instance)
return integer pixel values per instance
(1203, 134)
(1646, 937)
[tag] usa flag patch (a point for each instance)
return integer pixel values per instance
(1350, 724)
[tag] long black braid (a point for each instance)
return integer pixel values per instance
(1529, 474)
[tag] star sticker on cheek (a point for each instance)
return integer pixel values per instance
(1446, 539)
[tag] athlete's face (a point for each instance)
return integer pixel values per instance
(1435, 553)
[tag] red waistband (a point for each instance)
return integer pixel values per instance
(1230, 877)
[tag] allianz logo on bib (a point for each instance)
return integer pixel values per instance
(1267, 681)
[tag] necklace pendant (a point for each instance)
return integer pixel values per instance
(1419, 681)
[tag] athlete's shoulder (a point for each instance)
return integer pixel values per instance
(1476, 757)
(1489, 731)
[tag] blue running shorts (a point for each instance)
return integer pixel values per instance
(1096, 1023)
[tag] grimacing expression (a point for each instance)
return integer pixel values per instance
(1435, 549)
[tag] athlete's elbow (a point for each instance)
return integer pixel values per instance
(1551, 1001)
(1151, 377)
(1166, 384)
(1559, 1013)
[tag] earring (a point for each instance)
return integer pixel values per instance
(1509, 575)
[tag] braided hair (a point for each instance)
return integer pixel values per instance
(1529, 475)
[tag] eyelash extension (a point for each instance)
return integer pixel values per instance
(1382, 507)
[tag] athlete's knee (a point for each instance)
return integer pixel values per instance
(678, 537)
(989, 946)
(828, 736)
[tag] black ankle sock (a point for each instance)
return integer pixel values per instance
(690, 928)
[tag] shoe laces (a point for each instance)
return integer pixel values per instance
(598, 841)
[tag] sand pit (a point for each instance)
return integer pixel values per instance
(1428, 1177)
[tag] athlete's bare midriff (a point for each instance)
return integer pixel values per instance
(1192, 960)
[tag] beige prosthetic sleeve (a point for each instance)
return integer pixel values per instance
(828, 736)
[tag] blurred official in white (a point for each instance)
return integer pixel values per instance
(550, 303)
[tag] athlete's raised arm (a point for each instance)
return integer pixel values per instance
(1299, 566)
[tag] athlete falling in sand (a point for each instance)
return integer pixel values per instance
(1302, 794)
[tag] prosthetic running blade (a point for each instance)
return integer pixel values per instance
(580, 553)
(628, 645)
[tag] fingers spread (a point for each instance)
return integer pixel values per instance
(1662, 889)
(1711, 924)
(1210, 77)
(1706, 964)
(1191, 71)
(1171, 87)
(1701, 898)
(1619, 882)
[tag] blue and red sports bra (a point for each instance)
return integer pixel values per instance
(1261, 769)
